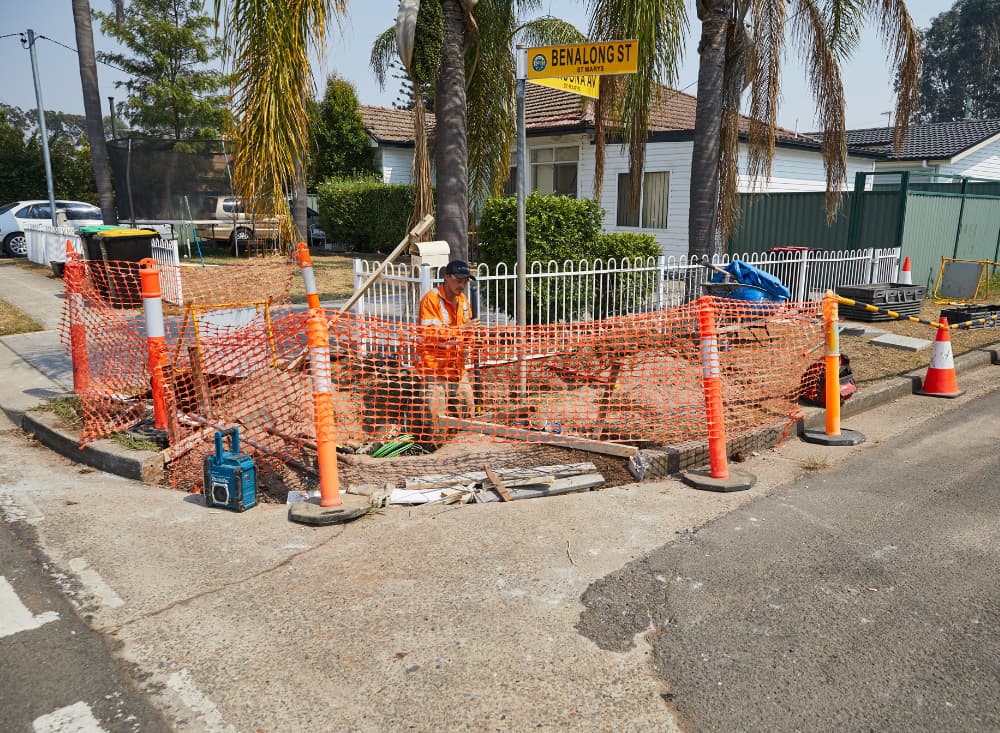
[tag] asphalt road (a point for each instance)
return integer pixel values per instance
(56, 673)
(861, 598)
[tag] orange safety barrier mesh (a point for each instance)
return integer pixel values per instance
(236, 355)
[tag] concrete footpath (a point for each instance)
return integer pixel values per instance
(428, 619)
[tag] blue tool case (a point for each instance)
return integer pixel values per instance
(230, 476)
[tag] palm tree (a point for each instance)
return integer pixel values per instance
(268, 45)
(741, 45)
(466, 47)
(92, 108)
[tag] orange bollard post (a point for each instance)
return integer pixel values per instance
(156, 342)
(308, 275)
(331, 507)
(834, 434)
(73, 276)
(318, 341)
(719, 476)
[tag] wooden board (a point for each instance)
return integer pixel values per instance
(498, 484)
(536, 436)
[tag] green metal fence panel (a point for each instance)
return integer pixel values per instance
(879, 219)
(789, 220)
(980, 230)
(929, 233)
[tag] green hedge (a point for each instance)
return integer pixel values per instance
(561, 228)
(364, 214)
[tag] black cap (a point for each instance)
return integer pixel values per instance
(459, 268)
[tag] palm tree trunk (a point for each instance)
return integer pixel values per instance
(702, 216)
(451, 154)
(92, 110)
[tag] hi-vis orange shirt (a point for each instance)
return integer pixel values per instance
(439, 353)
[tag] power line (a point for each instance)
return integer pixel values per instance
(70, 48)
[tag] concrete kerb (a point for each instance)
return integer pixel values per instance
(104, 455)
(148, 467)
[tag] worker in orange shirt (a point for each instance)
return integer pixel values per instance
(445, 327)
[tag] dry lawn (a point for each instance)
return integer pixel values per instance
(14, 321)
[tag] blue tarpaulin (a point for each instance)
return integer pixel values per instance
(750, 275)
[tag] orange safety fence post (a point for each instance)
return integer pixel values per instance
(331, 508)
(308, 276)
(719, 476)
(834, 433)
(73, 276)
(156, 342)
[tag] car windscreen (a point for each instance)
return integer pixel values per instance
(8, 207)
(76, 213)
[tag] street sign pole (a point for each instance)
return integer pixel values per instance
(522, 190)
(522, 194)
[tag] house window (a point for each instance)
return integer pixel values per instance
(553, 170)
(652, 213)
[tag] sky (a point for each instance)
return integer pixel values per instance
(867, 81)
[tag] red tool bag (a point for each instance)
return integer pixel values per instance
(812, 387)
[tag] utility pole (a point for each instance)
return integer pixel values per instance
(111, 104)
(41, 123)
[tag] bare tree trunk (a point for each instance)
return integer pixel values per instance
(703, 214)
(300, 203)
(92, 110)
(451, 153)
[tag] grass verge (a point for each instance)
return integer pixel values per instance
(13, 320)
(127, 440)
(67, 409)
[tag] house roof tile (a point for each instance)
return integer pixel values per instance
(552, 109)
(938, 140)
(387, 125)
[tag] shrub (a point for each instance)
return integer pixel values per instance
(557, 228)
(560, 228)
(364, 214)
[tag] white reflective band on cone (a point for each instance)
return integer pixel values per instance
(319, 368)
(153, 308)
(710, 358)
(309, 277)
(941, 358)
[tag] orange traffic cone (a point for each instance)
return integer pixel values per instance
(941, 380)
(904, 277)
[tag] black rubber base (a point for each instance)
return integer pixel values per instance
(846, 437)
(737, 481)
(949, 396)
(309, 511)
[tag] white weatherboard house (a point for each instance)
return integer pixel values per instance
(560, 132)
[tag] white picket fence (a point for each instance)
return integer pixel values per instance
(572, 291)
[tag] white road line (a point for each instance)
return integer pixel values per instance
(14, 615)
(94, 583)
(75, 718)
(209, 716)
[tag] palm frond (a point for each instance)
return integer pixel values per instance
(809, 29)
(490, 99)
(764, 71)
(268, 44)
(896, 28)
(383, 54)
(549, 31)
(659, 27)
(845, 19)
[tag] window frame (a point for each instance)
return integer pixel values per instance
(641, 213)
(553, 164)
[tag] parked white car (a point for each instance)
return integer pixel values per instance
(14, 215)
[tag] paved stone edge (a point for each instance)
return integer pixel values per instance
(148, 467)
